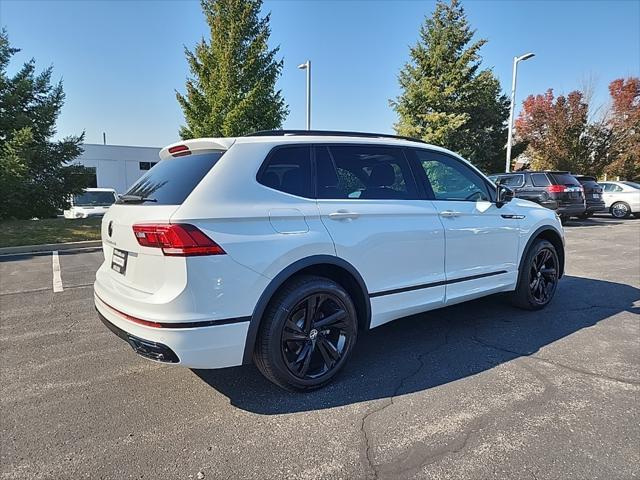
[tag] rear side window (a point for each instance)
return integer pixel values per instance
(288, 169)
(366, 172)
(171, 181)
(540, 180)
(565, 179)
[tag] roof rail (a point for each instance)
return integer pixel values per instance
(328, 133)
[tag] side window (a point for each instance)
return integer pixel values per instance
(364, 172)
(540, 180)
(607, 187)
(512, 181)
(616, 188)
(451, 179)
(288, 169)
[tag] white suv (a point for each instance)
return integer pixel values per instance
(281, 247)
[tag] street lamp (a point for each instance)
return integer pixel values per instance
(307, 66)
(521, 58)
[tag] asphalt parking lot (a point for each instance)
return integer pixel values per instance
(475, 391)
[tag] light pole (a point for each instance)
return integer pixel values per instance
(521, 58)
(307, 66)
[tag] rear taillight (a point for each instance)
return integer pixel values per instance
(178, 240)
(556, 188)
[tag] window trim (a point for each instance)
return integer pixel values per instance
(491, 188)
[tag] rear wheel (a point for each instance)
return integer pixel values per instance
(539, 277)
(586, 215)
(307, 333)
(620, 210)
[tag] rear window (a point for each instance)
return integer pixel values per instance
(171, 181)
(94, 199)
(565, 179)
(632, 185)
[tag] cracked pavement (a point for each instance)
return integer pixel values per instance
(475, 391)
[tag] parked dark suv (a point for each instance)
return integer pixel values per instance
(592, 194)
(559, 191)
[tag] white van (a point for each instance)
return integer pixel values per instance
(92, 202)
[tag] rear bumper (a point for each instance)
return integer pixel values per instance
(210, 346)
(596, 207)
(571, 210)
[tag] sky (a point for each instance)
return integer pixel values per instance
(122, 61)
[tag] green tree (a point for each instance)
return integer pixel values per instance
(233, 86)
(36, 178)
(446, 98)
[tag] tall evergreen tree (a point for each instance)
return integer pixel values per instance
(446, 98)
(36, 177)
(233, 86)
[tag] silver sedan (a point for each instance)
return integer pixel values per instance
(621, 198)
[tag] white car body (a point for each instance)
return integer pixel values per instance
(93, 205)
(614, 192)
(407, 256)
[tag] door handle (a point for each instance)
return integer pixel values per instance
(449, 214)
(343, 215)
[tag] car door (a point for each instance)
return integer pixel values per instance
(381, 224)
(611, 193)
(481, 240)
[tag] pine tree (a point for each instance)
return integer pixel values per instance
(233, 86)
(446, 98)
(36, 178)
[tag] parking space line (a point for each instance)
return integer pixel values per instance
(57, 278)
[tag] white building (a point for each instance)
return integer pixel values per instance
(117, 166)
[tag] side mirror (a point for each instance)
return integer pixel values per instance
(503, 195)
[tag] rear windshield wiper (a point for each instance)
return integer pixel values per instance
(135, 199)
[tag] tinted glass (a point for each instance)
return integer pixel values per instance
(288, 169)
(511, 180)
(565, 179)
(94, 199)
(364, 172)
(450, 179)
(608, 187)
(171, 181)
(540, 180)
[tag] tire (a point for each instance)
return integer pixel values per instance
(620, 210)
(564, 219)
(585, 215)
(299, 352)
(537, 282)
(637, 215)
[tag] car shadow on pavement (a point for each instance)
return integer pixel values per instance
(423, 351)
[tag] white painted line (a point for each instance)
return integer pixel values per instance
(57, 279)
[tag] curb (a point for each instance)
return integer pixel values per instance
(50, 247)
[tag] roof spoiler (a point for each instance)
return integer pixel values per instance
(197, 145)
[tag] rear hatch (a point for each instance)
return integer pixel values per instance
(592, 189)
(572, 193)
(142, 270)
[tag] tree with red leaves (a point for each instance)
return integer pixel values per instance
(624, 123)
(559, 135)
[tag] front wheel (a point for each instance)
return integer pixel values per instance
(539, 277)
(620, 210)
(307, 334)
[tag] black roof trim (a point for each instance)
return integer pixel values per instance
(328, 133)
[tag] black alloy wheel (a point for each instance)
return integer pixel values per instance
(538, 278)
(543, 276)
(307, 333)
(316, 335)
